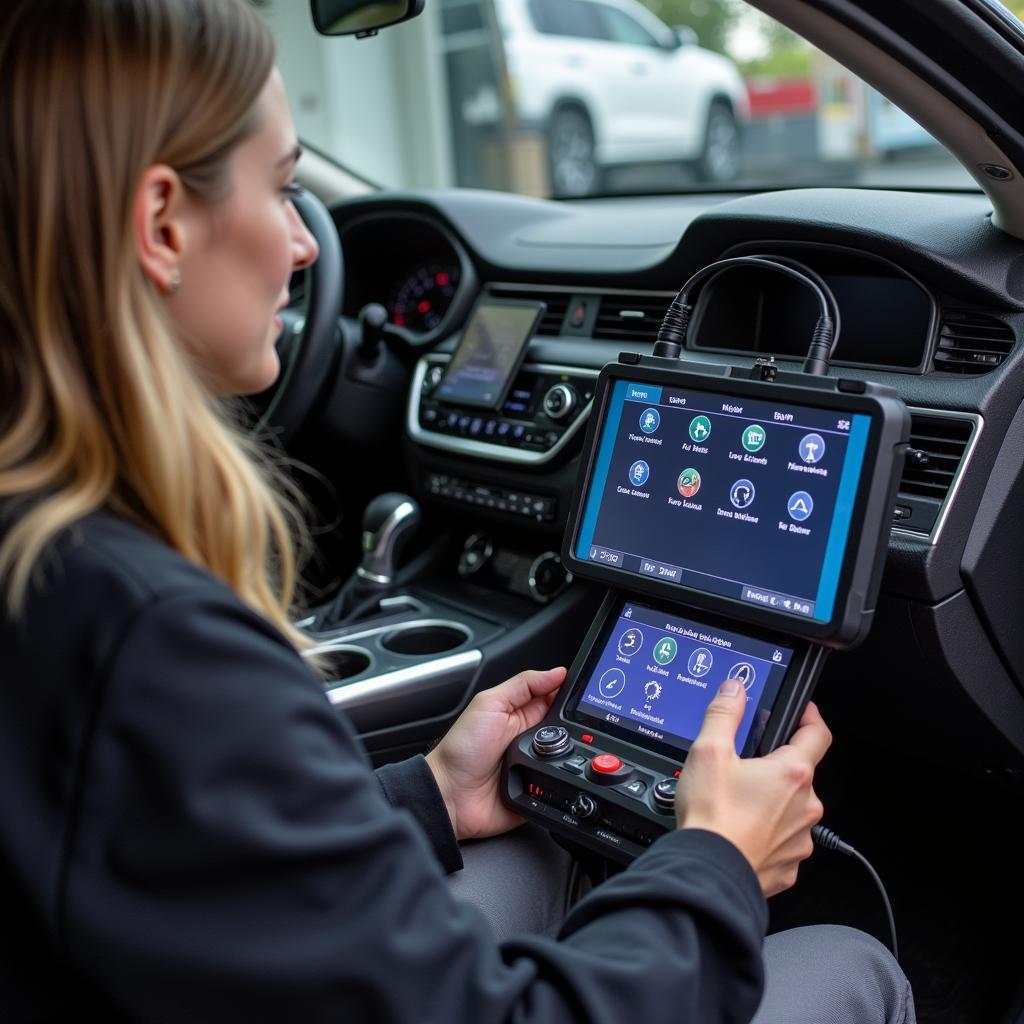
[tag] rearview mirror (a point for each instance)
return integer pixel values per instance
(361, 17)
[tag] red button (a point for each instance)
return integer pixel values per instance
(587, 738)
(606, 763)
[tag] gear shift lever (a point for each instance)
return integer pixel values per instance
(389, 522)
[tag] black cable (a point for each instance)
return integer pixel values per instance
(837, 320)
(828, 840)
(672, 333)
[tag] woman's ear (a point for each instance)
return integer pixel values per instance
(159, 226)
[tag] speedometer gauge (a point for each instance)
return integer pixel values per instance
(421, 300)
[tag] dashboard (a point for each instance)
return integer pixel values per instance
(931, 297)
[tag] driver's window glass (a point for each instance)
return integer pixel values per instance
(573, 18)
(621, 28)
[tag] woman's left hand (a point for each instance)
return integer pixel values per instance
(467, 762)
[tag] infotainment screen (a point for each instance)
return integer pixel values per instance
(748, 499)
(489, 353)
(657, 672)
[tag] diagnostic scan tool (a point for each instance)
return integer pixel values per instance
(741, 525)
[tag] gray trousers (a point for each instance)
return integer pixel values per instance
(824, 974)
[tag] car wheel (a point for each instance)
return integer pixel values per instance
(572, 168)
(719, 160)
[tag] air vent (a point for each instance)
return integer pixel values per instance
(971, 343)
(556, 301)
(625, 317)
(943, 441)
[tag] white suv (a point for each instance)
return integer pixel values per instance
(609, 84)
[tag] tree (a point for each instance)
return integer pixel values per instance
(712, 20)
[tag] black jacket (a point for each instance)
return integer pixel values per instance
(190, 833)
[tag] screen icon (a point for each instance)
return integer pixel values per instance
(612, 683)
(650, 420)
(652, 690)
(800, 506)
(744, 672)
(812, 448)
(754, 438)
(700, 429)
(631, 641)
(665, 650)
(639, 472)
(741, 494)
(688, 483)
(777, 656)
(700, 662)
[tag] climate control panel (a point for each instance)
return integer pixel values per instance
(545, 407)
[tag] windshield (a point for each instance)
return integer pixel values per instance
(583, 97)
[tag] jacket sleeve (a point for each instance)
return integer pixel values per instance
(410, 786)
(232, 857)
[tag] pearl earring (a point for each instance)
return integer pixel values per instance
(174, 282)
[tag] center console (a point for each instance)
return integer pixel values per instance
(741, 525)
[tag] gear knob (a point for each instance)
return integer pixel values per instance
(389, 523)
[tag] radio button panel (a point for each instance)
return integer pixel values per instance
(547, 405)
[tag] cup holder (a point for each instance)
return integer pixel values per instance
(425, 638)
(344, 662)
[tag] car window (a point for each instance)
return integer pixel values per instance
(621, 28)
(510, 95)
(574, 18)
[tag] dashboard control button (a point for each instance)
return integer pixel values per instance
(606, 764)
(559, 401)
(635, 788)
(664, 794)
(584, 807)
(551, 740)
(571, 767)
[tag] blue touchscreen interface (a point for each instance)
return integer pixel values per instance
(658, 673)
(747, 499)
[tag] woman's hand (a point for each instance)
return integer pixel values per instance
(467, 762)
(765, 806)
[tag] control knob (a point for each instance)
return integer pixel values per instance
(551, 740)
(665, 796)
(547, 577)
(433, 377)
(584, 807)
(559, 401)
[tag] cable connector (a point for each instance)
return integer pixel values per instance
(820, 348)
(672, 332)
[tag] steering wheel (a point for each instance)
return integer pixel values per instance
(307, 343)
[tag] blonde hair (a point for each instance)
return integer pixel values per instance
(100, 407)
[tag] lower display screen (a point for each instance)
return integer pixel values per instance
(657, 673)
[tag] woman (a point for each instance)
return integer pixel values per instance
(187, 830)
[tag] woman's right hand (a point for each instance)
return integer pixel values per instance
(765, 806)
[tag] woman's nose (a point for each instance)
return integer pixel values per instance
(304, 246)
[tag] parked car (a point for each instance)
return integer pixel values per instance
(609, 84)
